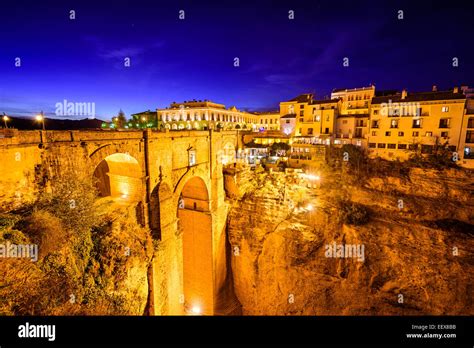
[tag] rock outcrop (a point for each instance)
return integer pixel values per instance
(415, 254)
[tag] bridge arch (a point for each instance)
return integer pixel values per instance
(195, 226)
(119, 176)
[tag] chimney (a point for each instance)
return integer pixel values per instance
(456, 90)
(435, 89)
(404, 93)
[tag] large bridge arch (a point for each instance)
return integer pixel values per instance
(195, 226)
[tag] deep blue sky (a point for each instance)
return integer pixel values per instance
(81, 60)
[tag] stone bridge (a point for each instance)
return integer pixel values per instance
(174, 180)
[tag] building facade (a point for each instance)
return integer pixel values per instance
(416, 122)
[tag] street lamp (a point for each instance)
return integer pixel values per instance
(5, 119)
(40, 118)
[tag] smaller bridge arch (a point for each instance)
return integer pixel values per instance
(119, 176)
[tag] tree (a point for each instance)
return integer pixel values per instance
(120, 119)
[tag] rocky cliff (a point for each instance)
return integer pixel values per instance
(411, 238)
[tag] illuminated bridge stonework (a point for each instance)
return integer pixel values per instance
(173, 179)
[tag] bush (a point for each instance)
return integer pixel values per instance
(353, 213)
(72, 200)
(47, 231)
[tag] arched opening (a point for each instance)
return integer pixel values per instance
(119, 176)
(195, 225)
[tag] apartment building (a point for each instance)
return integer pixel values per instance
(407, 122)
(467, 134)
(267, 120)
(353, 118)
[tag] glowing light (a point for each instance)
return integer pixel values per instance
(39, 118)
(313, 177)
(309, 207)
(5, 118)
(196, 310)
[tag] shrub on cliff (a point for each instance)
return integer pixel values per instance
(352, 213)
(71, 199)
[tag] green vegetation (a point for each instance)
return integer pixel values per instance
(85, 259)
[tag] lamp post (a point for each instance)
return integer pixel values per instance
(5, 119)
(40, 118)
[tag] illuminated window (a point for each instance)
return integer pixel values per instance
(416, 123)
(445, 109)
(415, 134)
(401, 134)
(192, 157)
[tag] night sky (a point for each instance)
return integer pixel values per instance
(81, 60)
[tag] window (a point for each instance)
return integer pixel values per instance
(444, 134)
(444, 123)
(287, 121)
(470, 137)
(192, 157)
(381, 145)
(445, 109)
(391, 146)
(401, 134)
(469, 152)
(376, 112)
(402, 146)
(300, 130)
(394, 124)
(375, 124)
(372, 145)
(301, 112)
(428, 134)
(344, 121)
(387, 134)
(470, 123)
(310, 131)
(374, 133)
(416, 123)
(326, 130)
(415, 134)
(317, 118)
(301, 119)
(413, 147)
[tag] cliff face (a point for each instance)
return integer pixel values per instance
(414, 255)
